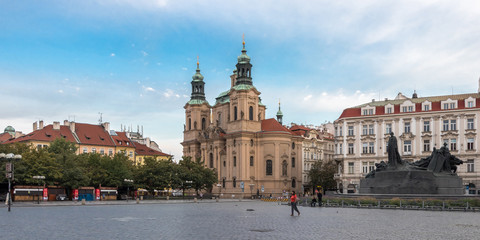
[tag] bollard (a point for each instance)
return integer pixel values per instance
(423, 204)
(467, 206)
(378, 203)
(443, 205)
(342, 203)
(194, 200)
(400, 203)
(138, 200)
(168, 198)
(83, 201)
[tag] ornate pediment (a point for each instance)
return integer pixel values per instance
(407, 136)
(269, 156)
(449, 134)
(252, 151)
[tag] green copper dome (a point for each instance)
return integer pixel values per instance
(9, 129)
(243, 58)
(198, 77)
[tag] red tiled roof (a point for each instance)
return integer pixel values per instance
(142, 149)
(271, 125)
(300, 127)
(5, 137)
(121, 139)
(47, 134)
(93, 134)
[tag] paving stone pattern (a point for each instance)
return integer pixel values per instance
(230, 220)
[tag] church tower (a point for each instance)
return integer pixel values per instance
(197, 115)
(279, 114)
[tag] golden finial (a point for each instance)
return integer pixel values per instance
(198, 62)
(279, 102)
(243, 40)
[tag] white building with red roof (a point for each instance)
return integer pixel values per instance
(419, 123)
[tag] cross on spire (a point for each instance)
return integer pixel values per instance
(243, 40)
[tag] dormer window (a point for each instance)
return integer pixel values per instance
(389, 109)
(368, 110)
(449, 104)
(470, 102)
(426, 106)
(407, 106)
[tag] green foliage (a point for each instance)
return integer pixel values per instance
(321, 174)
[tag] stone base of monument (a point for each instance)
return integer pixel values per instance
(412, 182)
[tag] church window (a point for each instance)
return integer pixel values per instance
(234, 161)
(203, 123)
(293, 162)
(269, 167)
(284, 168)
(294, 183)
(235, 113)
(293, 145)
(224, 164)
(251, 142)
(211, 160)
(234, 182)
(251, 161)
(250, 113)
(189, 124)
(195, 125)
(223, 183)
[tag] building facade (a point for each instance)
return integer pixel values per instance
(252, 155)
(420, 124)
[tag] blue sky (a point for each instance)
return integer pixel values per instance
(133, 60)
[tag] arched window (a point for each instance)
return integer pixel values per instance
(269, 167)
(223, 183)
(251, 142)
(251, 161)
(189, 124)
(284, 168)
(293, 162)
(195, 125)
(294, 183)
(234, 161)
(293, 145)
(234, 182)
(250, 113)
(204, 122)
(211, 160)
(235, 113)
(224, 164)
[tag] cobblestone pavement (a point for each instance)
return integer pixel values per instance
(228, 220)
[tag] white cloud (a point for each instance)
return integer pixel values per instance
(184, 68)
(148, 89)
(168, 93)
(112, 54)
(60, 91)
(144, 53)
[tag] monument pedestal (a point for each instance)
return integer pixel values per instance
(412, 182)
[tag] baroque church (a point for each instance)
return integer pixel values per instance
(252, 155)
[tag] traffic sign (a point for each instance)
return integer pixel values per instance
(8, 167)
(242, 186)
(9, 175)
(263, 189)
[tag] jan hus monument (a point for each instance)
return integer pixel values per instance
(435, 174)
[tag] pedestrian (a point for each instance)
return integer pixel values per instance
(319, 198)
(314, 201)
(293, 203)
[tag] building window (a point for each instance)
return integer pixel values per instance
(445, 125)
(204, 123)
(234, 182)
(426, 145)
(453, 125)
(350, 130)
(293, 162)
(470, 104)
(470, 142)
(211, 160)
(426, 126)
(370, 111)
(388, 128)
(130, 154)
(250, 113)
(340, 148)
(350, 167)
(235, 113)
(470, 165)
(340, 131)
(234, 161)
(445, 106)
(293, 146)
(410, 108)
(85, 150)
(452, 105)
(251, 161)
(269, 167)
(284, 168)
(364, 167)
(110, 152)
(189, 124)
(407, 147)
(389, 110)
(470, 125)
(365, 130)
(365, 148)
(102, 151)
(407, 127)
(453, 144)
(294, 183)
(371, 166)
(350, 148)
(404, 109)
(426, 107)
(371, 147)
(370, 130)
(94, 150)
(223, 183)
(224, 163)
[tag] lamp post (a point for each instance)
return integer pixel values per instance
(128, 181)
(38, 177)
(9, 170)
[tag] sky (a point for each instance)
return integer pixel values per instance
(133, 60)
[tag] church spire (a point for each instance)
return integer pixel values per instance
(279, 113)
(198, 85)
(244, 68)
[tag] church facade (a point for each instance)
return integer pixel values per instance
(251, 154)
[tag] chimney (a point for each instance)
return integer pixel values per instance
(56, 125)
(66, 123)
(147, 141)
(386, 99)
(233, 77)
(373, 100)
(72, 127)
(40, 124)
(106, 126)
(35, 126)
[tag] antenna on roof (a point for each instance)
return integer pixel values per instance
(100, 119)
(70, 116)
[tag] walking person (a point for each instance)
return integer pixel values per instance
(293, 203)
(319, 198)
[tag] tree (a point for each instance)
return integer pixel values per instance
(321, 174)
(195, 171)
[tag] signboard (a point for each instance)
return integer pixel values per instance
(97, 194)
(9, 175)
(45, 194)
(242, 186)
(263, 189)
(75, 194)
(8, 167)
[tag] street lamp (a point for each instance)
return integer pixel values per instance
(9, 170)
(38, 177)
(128, 181)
